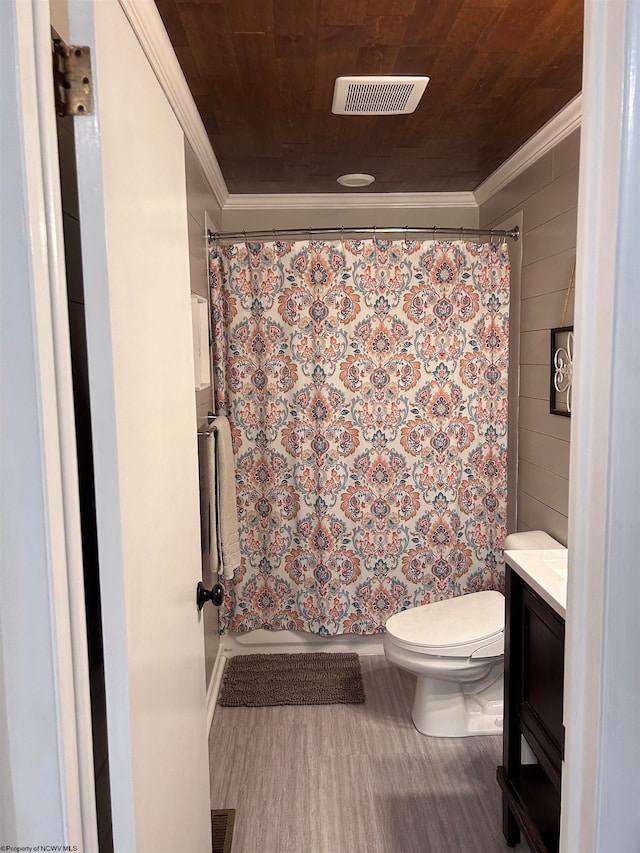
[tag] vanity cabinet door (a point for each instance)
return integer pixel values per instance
(541, 682)
(533, 678)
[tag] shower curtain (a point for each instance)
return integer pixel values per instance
(366, 385)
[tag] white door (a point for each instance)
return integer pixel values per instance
(132, 192)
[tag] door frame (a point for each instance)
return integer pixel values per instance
(601, 777)
(598, 626)
(47, 708)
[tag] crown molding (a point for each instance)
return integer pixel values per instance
(149, 29)
(347, 201)
(553, 132)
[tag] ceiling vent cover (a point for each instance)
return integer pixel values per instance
(377, 95)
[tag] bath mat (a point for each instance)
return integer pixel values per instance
(256, 681)
(222, 821)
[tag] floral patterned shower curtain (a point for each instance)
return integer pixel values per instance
(366, 384)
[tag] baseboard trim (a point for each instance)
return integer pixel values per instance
(214, 685)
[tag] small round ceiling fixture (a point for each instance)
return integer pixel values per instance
(355, 180)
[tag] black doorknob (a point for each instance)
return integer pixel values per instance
(214, 595)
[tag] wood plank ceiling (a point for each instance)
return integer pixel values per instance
(262, 75)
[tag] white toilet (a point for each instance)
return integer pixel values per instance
(456, 650)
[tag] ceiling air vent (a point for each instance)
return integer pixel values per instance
(377, 95)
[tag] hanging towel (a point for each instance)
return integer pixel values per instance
(215, 559)
(226, 509)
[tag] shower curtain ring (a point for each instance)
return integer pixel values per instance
(433, 234)
(490, 237)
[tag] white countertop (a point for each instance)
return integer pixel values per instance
(545, 572)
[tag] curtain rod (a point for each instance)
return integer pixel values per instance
(374, 231)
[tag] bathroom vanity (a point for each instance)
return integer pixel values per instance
(530, 776)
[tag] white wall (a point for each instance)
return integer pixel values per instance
(203, 213)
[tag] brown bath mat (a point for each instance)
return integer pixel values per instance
(306, 679)
(222, 821)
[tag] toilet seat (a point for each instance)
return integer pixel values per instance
(467, 626)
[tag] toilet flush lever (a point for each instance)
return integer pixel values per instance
(214, 595)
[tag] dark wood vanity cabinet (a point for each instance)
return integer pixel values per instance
(534, 672)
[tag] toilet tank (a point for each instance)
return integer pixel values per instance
(531, 540)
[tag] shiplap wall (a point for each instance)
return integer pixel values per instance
(315, 215)
(547, 195)
(201, 206)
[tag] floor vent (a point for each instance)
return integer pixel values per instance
(377, 95)
(222, 821)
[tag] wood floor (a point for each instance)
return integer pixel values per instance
(354, 778)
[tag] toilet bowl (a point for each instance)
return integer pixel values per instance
(455, 648)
